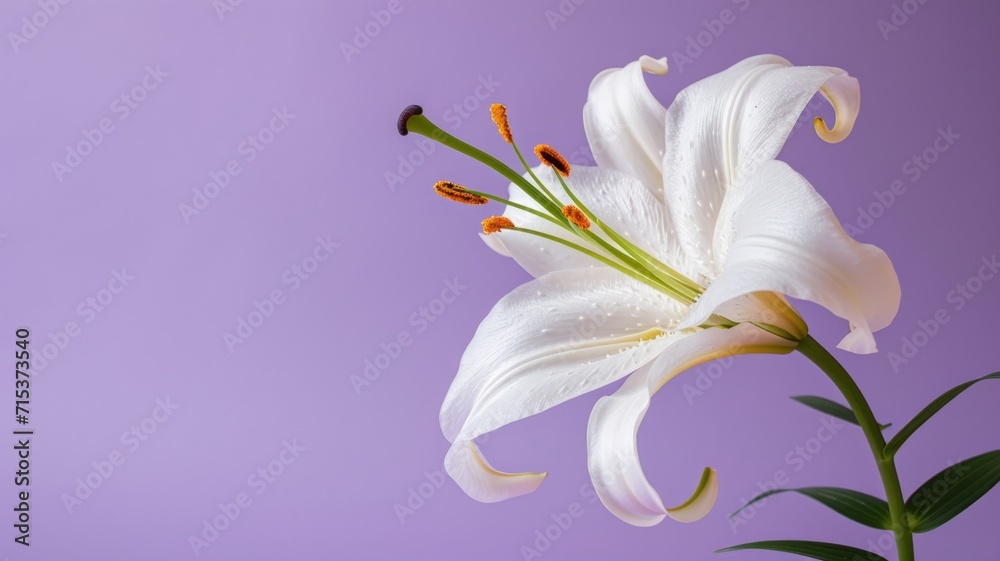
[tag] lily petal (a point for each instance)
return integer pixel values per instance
(613, 455)
(777, 234)
(620, 200)
(624, 122)
(481, 481)
(720, 128)
(546, 342)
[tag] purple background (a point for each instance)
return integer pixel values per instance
(324, 175)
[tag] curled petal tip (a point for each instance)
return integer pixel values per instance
(653, 65)
(830, 135)
(844, 94)
(859, 341)
(701, 501)
(481, 481)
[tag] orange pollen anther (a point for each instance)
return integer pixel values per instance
(548, 156)
(458, 193)
(576, 216)
(494, 224)
(499, 114)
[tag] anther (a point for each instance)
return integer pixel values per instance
(494, 224)
(499, 114)
(548, 156)
(405, 116)
(576, 216)
(458, 193)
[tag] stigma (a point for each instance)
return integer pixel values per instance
(410, 111)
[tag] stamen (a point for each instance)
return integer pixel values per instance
(548, 156)
(458, 193)
(494, 224)
(633, 261)
(637, 255)
(576, 216)
(405, 116)
(420, 124)
(499, 114)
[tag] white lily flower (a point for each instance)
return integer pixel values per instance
(700, 234)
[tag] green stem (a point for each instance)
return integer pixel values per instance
(886, 465)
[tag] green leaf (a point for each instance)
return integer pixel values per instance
(829, 407)
(929, 411)
(814, 550)
(859, 507)
(953, 490)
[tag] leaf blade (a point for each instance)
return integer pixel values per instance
(814, 550)
(830, 407)
(861, 508)
(927, 412)
(949, 492)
